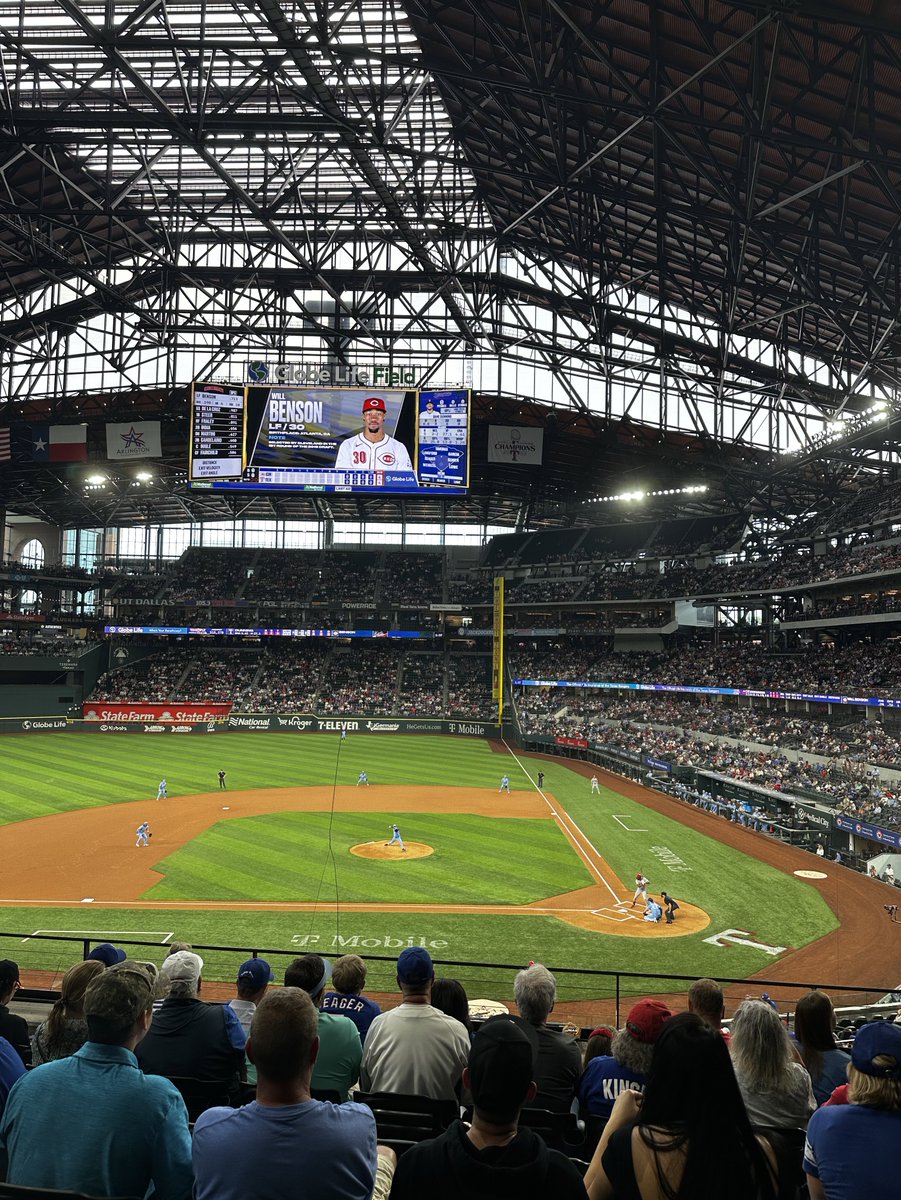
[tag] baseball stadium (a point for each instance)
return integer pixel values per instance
(451, 493)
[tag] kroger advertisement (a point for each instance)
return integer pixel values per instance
(331, 439)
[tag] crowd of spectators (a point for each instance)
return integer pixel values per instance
(421, 691)
(469, 686)
(168, 1094)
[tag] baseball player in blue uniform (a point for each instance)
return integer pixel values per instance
(395, 837)
(505, 784)
(363, 779)
(653, 911)
(144, 834)
(161, 793)
(343, 735)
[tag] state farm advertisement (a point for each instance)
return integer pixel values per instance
(136, 710)
(577, 742)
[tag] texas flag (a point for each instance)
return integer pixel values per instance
(59, 443)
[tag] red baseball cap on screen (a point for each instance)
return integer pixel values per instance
(374, 403)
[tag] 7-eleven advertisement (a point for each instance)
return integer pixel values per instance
(129, 710)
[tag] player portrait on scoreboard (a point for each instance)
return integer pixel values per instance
(372, 449)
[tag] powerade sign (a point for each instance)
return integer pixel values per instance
(868, 701)
(874, 833)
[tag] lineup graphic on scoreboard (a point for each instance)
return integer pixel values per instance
(317, 439)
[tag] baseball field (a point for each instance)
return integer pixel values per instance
(292, 857)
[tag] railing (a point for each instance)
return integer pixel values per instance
(586, 996)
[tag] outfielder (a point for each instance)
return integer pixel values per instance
(373, 449)
(641, 889)
(595, 786)
(505, 785)
(343, 735)
(144, 834)
(363, 779)
(395, 837)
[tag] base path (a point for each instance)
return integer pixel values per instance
(90, 856)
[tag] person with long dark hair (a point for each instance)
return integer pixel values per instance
(688, 1137)
(66, 1030)
(815, 1034)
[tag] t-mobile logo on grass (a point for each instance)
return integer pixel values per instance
(357, 941)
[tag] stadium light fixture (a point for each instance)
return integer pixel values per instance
(693, 490)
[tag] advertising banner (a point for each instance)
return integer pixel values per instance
(579, 743)
(875, 833)
(179, 713)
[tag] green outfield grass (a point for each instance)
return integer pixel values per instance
(306, 856)
(286, 856)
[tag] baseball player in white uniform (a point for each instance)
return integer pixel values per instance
(595, 786)
(641, 888)
(373, 450)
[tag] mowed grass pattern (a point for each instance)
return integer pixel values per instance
(304, 856)
(47, 773)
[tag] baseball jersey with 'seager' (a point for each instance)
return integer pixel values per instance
(358, 454)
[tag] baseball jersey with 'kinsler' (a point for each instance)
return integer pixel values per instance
(358, 454)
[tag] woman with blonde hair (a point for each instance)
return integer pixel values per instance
(814, 1026)
(775, 1087)
(852, 1149)
(65, 1030)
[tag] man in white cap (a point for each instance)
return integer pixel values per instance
(372, 449)
(190, 1038)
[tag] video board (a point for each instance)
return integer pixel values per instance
(277, 437)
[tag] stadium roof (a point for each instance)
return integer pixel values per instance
(671, 224)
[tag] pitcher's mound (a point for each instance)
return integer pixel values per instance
(380, 850)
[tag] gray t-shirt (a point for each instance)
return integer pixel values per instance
(788, 1107)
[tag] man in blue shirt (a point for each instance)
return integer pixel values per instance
(11, 1069)
(285, 1142)
(94, 1122)
(348, 980)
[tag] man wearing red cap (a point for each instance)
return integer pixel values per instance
(372, 449)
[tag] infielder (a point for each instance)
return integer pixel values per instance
(373, 449)
(641, 888)
(505, 785)
(595, 786)
(363, 779)
(144, 834)
(395, 837)
(161, 793)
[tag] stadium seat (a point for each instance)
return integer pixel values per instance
(408, 1118)
(201, 1094)
(561, 1131)
(10, 1191)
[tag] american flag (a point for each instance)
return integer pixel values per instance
(5, 448)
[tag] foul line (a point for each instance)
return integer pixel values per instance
(627, 828)
(572, 832)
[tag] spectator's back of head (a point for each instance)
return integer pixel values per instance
(282, 1035)
(254, 976)
(706, 1000)
(182, 971)
(114, 1000)
(501, 1070)
(874, 1076)
(9, 976)
(415, 971)
(535, 993)
(310, 973)
(761, 1050)
(349, 975)
(599, 1043)
(450, 997)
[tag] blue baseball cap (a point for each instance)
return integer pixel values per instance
(108, 954)
(878, 1040)
(255, 973)
(414, 966)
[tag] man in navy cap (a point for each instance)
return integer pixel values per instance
(108, 954)
(372, 449)
(415, 1048)
(254, 977)
(493, 1156)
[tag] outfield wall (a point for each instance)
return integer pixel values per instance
(262, 722)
